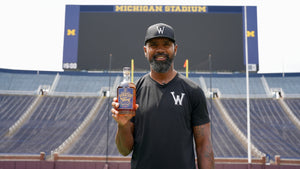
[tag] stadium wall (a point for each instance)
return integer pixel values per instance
(114, 165)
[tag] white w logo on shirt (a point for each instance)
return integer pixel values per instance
(178, 99)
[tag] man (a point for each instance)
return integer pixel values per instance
(170, 112)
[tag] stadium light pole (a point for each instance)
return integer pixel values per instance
(108, 114)
(247, 91)
(109, 71)
(211, 92)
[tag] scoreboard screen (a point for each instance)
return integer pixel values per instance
(97, 36)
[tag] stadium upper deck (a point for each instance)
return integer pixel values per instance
(227, 85)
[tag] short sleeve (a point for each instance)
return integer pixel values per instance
(199, 108)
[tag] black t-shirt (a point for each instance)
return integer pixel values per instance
(163, 125)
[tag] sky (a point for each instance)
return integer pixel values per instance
(32, 31)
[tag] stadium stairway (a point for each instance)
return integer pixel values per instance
(24, 117)
(52, 122)
(272, 132)
(11, 109)
(74, 136)
(289, 113)
(98, 138)
(237, 132)
(225, 144)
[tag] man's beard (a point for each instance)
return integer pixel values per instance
(161, 66)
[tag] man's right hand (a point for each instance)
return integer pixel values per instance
(124, 136)
(120, 119)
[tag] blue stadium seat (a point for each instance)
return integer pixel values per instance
(235, 87)
(294, 105)
(51, 123)
(225, 143)
(82, 84)
(94, 140)
(24, 81)
(290, 85)
(11, 109)
(271, 130)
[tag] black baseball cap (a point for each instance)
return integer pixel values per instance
(160, 30)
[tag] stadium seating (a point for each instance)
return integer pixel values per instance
(94, 140)
(82, 84)
(50, 124)
(294, 105)
(62, 110)
(235, 87)
(24, 82)
(224, 142)
(11, 109)
(289, 84)
(271, 130)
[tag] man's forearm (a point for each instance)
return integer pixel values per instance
(124, 139)
(204, 149)
(205, 158)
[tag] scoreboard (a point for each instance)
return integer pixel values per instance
(97, 35)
